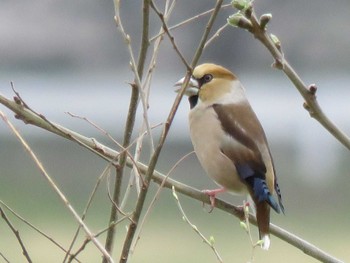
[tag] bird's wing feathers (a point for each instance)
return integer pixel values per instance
(243, 150)
(235, 123)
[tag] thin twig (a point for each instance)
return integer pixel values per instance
(172, 39)
(34, 228)
(56, 188)
(110, 155)
(246, 225)
(134, 174)
(105, 172)
(112, 201)
(191, 19)
(154, 159)
(210, 242)
(308, 93)
(17, 235)
(136, 91)
(216, 35)
(207, 30)
(4, 258)
(154, 199)
(88, 240)
(123, 149)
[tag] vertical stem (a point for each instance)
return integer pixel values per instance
(130, 122)
(154, 159)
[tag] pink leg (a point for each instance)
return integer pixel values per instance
(212, 195)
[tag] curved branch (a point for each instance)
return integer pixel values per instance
(247, 19)
(111, 155)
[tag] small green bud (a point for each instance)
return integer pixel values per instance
(243, 225)
(233, 20)
(238, 4)
(259, 242)
(116, 19)
(238, 20)
(275, 40)
(174, 193)
(212, 240)
(264, 19)
(127, 39)
(246, 209)
(241, 4)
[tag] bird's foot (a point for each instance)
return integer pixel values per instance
(212, 195)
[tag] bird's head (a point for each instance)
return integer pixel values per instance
(209, 82)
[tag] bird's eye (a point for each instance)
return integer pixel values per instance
(207, 78)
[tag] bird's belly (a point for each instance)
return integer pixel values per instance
(222, 171)
(206, 137)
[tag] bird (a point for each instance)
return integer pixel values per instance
(230, 143)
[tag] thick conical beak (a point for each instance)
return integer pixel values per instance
(192, 88)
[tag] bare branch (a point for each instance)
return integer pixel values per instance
(35, 228)
(55, 188)
(17, 235)
(191, 19)
(216, 35)
(206, 32)
(156, 196)
(88, 240)
(104, 174)
(210, 243)
(154, 159)
(110, 155)
(136, 91)
(4, 258)
(172, 39)
(247, 19)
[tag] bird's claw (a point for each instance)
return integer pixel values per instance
(212, 196)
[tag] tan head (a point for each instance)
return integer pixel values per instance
(210, 82)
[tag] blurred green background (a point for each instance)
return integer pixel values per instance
(68, 56)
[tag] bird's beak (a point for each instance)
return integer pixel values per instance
(191, 89)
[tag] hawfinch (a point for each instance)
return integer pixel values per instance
(230, 142)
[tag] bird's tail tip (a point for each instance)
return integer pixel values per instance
(265, 245)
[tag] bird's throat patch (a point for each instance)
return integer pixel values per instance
(193, 101)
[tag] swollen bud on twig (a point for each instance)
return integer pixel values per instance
(116, 19)
(264, 19)
(312, 89)
(238, 20)
(212, 240)
(260, 242)
(127, 39)
(276, 41)
(241, 4)
(243, 225)
(245, 6)
(174, 193)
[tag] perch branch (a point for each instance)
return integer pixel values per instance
(111, 155)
